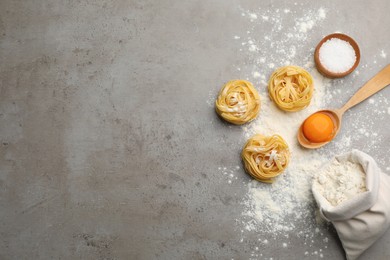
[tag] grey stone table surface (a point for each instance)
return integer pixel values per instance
(109, 145)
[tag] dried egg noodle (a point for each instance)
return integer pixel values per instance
(238, 102)
(265, 157)
(291, 88)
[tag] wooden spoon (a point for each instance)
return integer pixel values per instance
(375, 84)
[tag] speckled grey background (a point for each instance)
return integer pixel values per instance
(109, 149)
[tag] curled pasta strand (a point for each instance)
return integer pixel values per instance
(265, 157)
(291, 88)
(238, 102)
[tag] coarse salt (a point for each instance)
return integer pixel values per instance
(337, 55)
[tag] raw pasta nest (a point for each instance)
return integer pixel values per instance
(265, 157)
(291, 88)
(238, 102)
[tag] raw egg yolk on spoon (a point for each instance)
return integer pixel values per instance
(318, 128)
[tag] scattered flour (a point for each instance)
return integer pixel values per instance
(253, 16)
(383, 54)
(229, 172)
(256, 74)
(307, 22)
(321, 13)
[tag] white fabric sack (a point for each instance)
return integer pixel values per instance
(363, 219)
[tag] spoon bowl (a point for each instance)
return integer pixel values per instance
(375, 84)
(336, 117)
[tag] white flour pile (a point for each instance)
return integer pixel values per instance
(340, 181)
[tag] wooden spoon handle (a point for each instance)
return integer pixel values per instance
(378, 82)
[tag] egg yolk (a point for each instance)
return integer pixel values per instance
(318, 128)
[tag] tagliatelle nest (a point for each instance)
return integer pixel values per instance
(265, 157)
(238, 102)
(291, 88)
